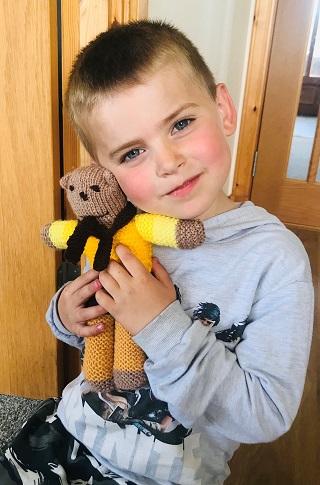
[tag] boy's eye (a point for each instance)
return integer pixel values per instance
(132, 154)
(182, 124)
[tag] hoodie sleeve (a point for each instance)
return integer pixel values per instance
(248, 394)
(57, 326)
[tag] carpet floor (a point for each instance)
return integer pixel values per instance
(14, 411)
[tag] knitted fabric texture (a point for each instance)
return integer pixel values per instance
(90, 226)
(111, 359)
(84, 187)
(99, 356)
(169, 231)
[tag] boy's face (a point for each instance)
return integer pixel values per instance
(165, 142)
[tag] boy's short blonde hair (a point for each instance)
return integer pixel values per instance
(124, 56)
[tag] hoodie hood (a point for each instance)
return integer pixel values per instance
(239, 222)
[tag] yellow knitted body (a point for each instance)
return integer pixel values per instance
(99, 371)
(112, 359)
(129, 359)
(126, 359)
(140, 247)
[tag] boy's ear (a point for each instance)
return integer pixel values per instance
(226, 109)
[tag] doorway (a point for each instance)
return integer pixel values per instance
(286, 178)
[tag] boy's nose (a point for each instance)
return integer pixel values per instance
(168, 161)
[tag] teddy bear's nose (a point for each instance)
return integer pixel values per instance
(83, 196)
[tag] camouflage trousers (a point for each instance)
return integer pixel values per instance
(44, 453)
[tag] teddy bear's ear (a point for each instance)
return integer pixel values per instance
(64, 181)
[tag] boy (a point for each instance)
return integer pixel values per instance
(227, 359)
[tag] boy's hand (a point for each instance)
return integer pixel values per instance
(132, 295)
(71, 305)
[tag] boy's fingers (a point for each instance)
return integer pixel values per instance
(160, 273)
(88, 290)
(85, 278)
(103, 298)
(109, 279)
(82, 287)
(130, 261)
(89, 330)
(92, 312)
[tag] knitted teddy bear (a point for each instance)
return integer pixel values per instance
(105, 219)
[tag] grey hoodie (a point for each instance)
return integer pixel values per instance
(226, 364)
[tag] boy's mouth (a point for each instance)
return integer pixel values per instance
(185, 188)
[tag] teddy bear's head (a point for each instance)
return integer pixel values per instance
(94, 191)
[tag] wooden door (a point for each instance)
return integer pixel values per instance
(29, 196)
(295, 200)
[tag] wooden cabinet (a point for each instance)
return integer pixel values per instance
(37, 146)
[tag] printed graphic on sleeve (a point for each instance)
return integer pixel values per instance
(234, 333)
(209, 315)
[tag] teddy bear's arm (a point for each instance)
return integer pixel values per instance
(169, 231)
(56, 234)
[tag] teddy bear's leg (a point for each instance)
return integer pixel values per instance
(99, 355)
(128, 371)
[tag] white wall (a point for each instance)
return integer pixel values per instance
(221, 29)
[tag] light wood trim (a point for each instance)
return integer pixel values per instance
(122, 11)
(94, 19)
(264, 16)
(70, 44)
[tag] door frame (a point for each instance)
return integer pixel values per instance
(259, 55)
(253, 129)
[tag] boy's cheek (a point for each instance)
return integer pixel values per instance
(209, 144)
(220, 151)
(135, 188)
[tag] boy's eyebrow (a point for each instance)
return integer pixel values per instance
(139, 142)
(125, 146)
(177, 112)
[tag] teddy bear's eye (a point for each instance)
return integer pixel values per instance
(71, 188)
(96, 188)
